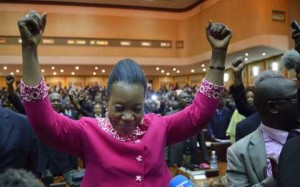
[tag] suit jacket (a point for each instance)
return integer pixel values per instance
(175, 151)
(289, 164)
(72, 113)
(247, 162)
(16, 141)
(56, 161)
(43, 157)
(247, 126)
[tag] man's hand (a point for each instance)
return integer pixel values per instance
(31, 28)
(296, 38)
(296, 35)
(238, 65)
(218, 35)
(274, 165)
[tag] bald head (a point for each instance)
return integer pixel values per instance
(274, 89)
(277, 103)
(184, 99)
(268, 74)
(56, 99)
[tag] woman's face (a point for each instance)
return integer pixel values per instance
(125, 106)
(250, 97)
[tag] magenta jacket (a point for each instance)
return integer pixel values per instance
(110, 161)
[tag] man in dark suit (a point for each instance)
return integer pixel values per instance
(248, 125)
(289, 162)
(70, 111)
(185, 153)
(16, 141)
(253, 119)
(248, 161)
(50, 159)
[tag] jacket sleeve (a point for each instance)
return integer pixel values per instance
(194, 117)
(237, 175)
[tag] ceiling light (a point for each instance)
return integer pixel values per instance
(102, 42)
(246, 54)
(157, 68)
(71, 42)
(103, 70)
(246, 59)
(96, 68)
(12, 73)
(125, 43)
(48, 41)
(77, 67)
(168, 73)
(54, 73)
(94, 73)
(192, 70)
(5, 68)
(275, 66)
(165, 44)
(255, 71)
(177, 71)
(52, 67)
(162, 71)
(61, 70)
(146, 44)
(226, 77)
(204, 69)
(80, 42)
(263, 54)
(17, 71)
(72, 73)
(203, 65)
(174, 69)
(42, 70)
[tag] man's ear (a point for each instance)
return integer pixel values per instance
(272, 107)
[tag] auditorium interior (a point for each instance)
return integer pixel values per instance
(83, 39)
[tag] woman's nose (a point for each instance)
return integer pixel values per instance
(127, 117)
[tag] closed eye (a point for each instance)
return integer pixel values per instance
(118, 108)
(138, 109)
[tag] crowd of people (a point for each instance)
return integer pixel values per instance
(126, 133)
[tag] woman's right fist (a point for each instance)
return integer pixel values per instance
(31, 27)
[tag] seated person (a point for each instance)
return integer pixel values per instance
(248, 162)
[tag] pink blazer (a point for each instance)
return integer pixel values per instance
(111, 162)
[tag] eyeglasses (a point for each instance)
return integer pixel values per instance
(292, 100)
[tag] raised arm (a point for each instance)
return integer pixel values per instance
(31, 28)
(194, 117)
(238, 89)
(219, 36)
(238, 67)
(296, 38)
(13, 97)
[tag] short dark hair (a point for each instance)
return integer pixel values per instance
(128, 71)
(19, 178)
